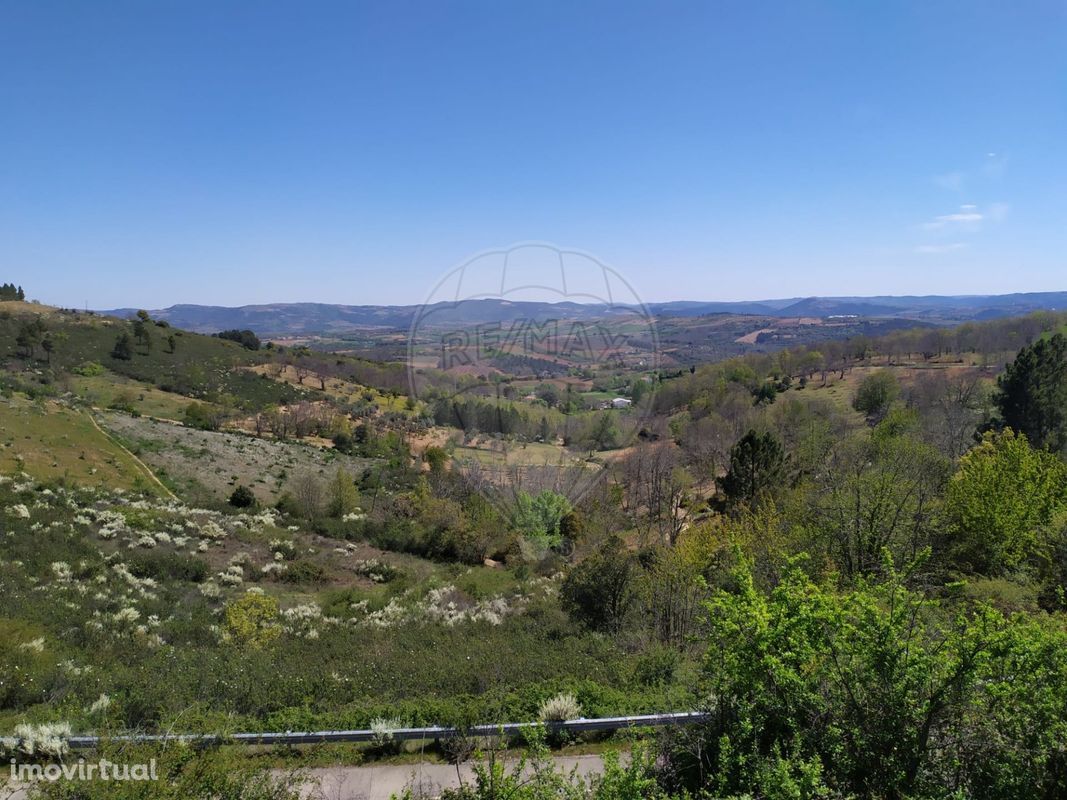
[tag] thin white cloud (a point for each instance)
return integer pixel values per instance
(968, 216)
(933, 249)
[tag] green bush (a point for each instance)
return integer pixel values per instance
(167, 566)
(879, 692)
(304, 571)
(89, 369)
(242, 497)
(656, 666)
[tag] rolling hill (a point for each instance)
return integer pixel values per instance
(282, 319)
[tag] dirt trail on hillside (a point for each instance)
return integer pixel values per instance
(136, 460)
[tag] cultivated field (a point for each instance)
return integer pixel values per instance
(208, 464)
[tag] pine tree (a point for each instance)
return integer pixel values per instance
(141, 333)
(757, 465)
(1033, 393)
(123, 349)
(30, 335)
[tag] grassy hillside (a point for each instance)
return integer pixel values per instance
(58, 366)
(110, 390)
(204, 619)
(169, 359)
(51, 442)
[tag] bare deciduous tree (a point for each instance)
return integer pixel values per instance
(308, 493)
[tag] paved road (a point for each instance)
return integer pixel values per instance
(382, 781)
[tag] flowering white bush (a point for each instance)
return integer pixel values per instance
(127, 615)
(145, 587)
(383, 729)
(35, 645)
(449, 606)
(102, 703)
(264, 519)
(233, 576)
(560, 708)
(304, 620)
(377, 571)
(393, 614)
(62, 571)
(283, 549)
(20, 511)
(73, 669)
(48, 740)
(212, 530)
(445, 605)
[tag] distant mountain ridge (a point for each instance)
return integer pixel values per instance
(282, 319)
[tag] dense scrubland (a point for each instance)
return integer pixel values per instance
(853, 555)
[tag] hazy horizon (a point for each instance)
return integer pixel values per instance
(550, 300)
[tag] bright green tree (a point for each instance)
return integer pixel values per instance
(1001, 496)
(539, 517)
(343, 496)
(876, 492)
(605, 433)
(878, 692)
(876, 394)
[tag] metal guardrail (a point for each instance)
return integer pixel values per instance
(400, 734)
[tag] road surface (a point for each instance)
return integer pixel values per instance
(382, 781)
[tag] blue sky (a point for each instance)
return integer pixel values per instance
(230, 153)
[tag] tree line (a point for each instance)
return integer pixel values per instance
(988, 343)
